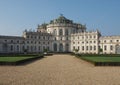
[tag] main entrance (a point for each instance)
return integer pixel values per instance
(55, 47)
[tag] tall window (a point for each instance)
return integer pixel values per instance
(94, 47)
(11, 48)
(66, 32)
(111, 47)
(60, 32)
(86, 47)
(17, 47)
(105, 47)
(90, 47)
(82, 47)
(39, 48)
(55, 32)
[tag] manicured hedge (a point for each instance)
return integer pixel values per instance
(101, 60)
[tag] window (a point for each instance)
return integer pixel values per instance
(55, 38)
(27, 47)
(78, 42)
(94, 41)
(94, 47)
(35, 48)
(82, 37)
(99, 41)
(86, 36)
(5, 40)
(11, 48)
(78, 48)
(90, 47)
(23, 48)
(111, 47)
(28, 42)
(117, 40)
(73, 47)
(48, 42)
(105, 47)
(66, 32)
(73, 42)
(43, 48)
(111, 41)
(17, 41)
(35, 37)
(86, 47)
(43, 38)
(17, 47)
(60, 32)
(27, 36)
(66, 38)
(94, 36)
(39, 47)
(61, 38)
(31, 48)
(104, 41)
(39, 37)
(11, 41)
(55, 32)
(82, 47)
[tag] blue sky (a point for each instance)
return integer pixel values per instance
(18, 15)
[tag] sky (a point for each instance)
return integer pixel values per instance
(18, 15)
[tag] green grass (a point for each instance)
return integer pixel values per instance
(13, 59)
(101, 58)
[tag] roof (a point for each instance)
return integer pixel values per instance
(61, 19)
(10, 37)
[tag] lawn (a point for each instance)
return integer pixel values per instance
(13, 59)
(101, 58)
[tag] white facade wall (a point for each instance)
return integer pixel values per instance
(48, 36)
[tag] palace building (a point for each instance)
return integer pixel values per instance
(61, 35)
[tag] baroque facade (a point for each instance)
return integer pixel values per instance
(61, 35)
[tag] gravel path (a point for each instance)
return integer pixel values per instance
(59, 70)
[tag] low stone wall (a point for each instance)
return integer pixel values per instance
(21, 62)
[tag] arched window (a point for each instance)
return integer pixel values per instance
(60, 32)
(55, 32)
(61, 47)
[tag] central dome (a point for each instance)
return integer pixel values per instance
(61, 19)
